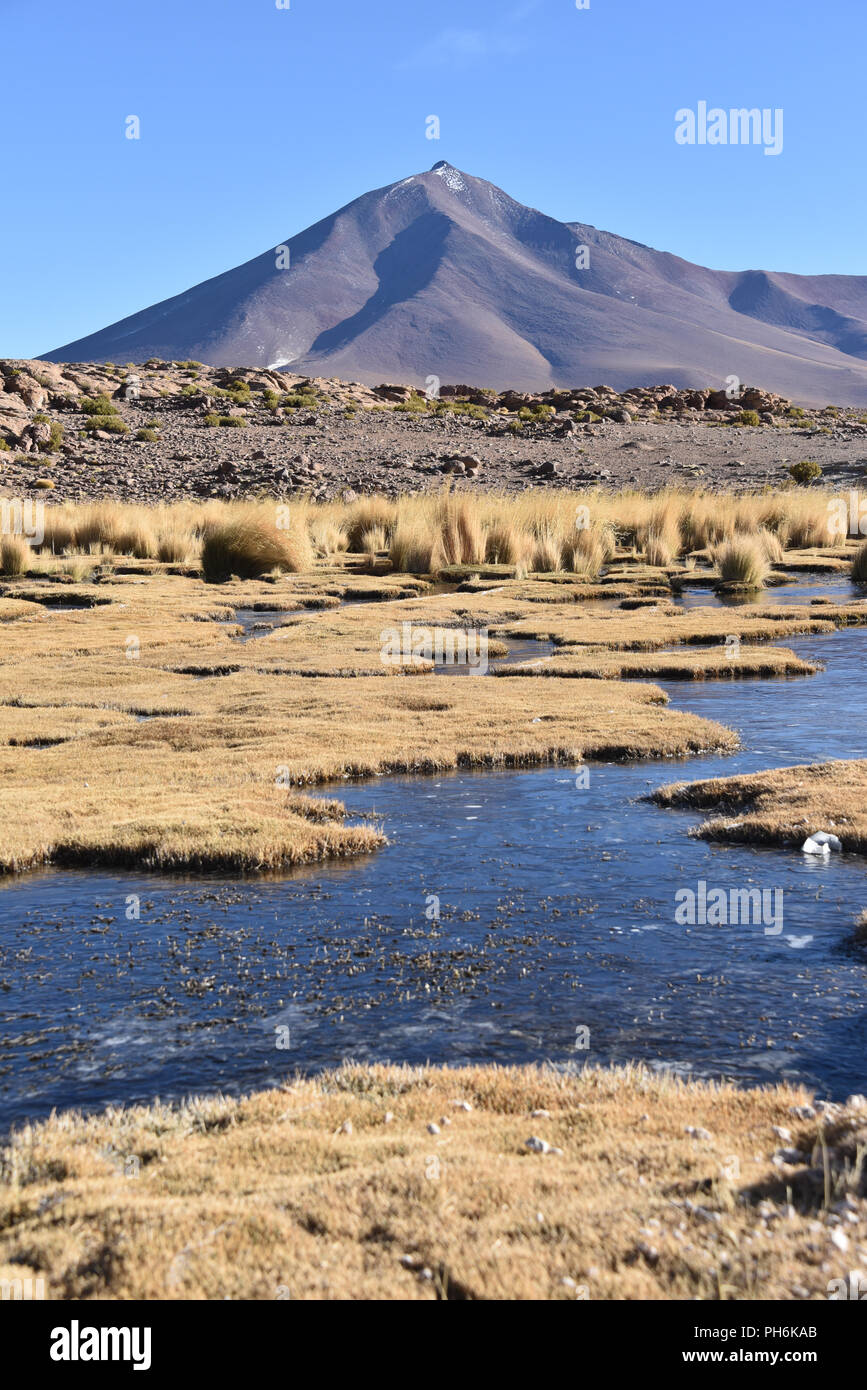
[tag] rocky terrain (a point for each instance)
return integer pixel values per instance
(164, 431)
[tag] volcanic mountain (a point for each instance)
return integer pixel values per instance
(445, 275)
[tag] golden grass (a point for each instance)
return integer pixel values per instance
(781, 807)
(369, 514)
(195, 738)
(16, 557)
(743, 561)
(414, 549)
(707, 663)
(334, 1188)
(547, 551)
(252, 543)
(205, 735)
(535, 529)
(461, 537)
(507, 544)
(859, 566)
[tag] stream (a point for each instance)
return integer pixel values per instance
(514, 917)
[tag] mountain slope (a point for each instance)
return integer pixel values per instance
(445, 275)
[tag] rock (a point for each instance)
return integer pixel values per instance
(346, 1127)
(819, 844)
(33, 436)
(548, 469)
(697, 1132)
(787, 1156)
(858, 1102)
(540, 1146)
(389, 393)
(814, 847)
(433, 1128)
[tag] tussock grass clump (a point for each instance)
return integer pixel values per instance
(369, 514)
(250, 544)
(123, 530)
(414, 549)
(175, 543)
(374, 540)
(771, 545)
(743, 561)
(59, 530)
(547, 552)
(507, 544)
(461, 537)
(327, 536)
(859, 566)
(657, 550)
(16, 557)
(586, 551)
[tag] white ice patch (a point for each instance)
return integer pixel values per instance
(403, 183)
(452, 178)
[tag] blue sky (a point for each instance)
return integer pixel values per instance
(257, 121)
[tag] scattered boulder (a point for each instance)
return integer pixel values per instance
(821, 843)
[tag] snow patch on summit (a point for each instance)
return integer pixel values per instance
(452, 177)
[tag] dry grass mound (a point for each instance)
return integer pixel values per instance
(417, 1183)
(781, 807)
(252, 544)
(743, 562)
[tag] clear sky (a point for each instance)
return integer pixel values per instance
(256, 121)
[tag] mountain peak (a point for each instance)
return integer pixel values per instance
(460, 280)
(451, 177)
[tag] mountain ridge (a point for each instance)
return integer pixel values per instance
(443, 274)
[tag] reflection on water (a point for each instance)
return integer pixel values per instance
(839, 589)
(508, 911)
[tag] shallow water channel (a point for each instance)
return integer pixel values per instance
(555, 895)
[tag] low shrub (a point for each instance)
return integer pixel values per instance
(251, 544)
